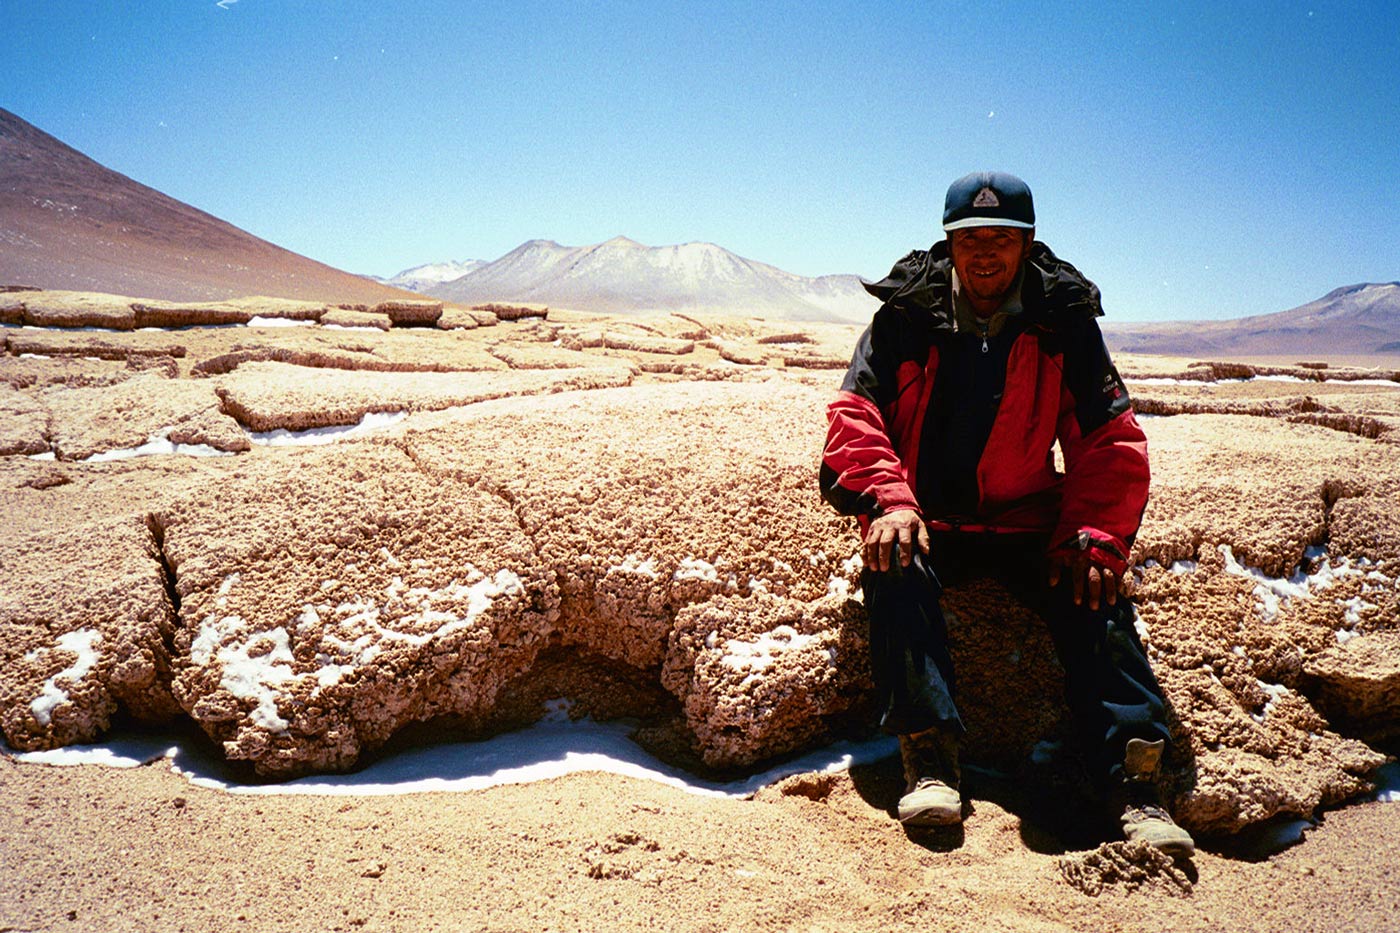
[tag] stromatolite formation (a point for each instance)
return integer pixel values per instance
(546, 496)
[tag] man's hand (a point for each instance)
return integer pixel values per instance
(1088, 576)
(902, 525)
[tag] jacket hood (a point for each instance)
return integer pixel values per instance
(922, 278)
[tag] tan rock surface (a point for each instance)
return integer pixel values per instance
(267, 396)
(347, 317)
(76, 309)
(78, 645)
(663, 521)
(459, 319)
(407, 312)
(24, 424)
(188, 314)
(106, 346)
(618, 340)
(97, 420)
(1358, 684)
(327, 607)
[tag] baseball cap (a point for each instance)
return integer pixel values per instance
(988, 199)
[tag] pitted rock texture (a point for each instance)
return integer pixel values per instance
(90, 421)
(1357, 683)
(327, 608)
(1127, 866)
(24, 423)
(760, 675)
(648, 520)
(80, 642)
(267, 396)
(646, 499)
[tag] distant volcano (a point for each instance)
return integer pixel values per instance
(622, 276)
(67, 222)
(1356, 319)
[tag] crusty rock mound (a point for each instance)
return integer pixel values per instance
(634, 502)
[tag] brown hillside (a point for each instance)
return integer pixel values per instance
(68, 222)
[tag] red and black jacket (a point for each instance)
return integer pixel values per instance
(969, 444)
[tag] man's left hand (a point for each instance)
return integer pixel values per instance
(1097, 581)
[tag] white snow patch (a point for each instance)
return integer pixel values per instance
(373, 421)
(634, 563)
(158, 443)
(46, 455)
(1275, 692)
(753, 656)
(1140, 625)
(259, 321)
(1180, 567)
(83, 644)
(255, 676)
(1275, 592)
(553, 747)
(693, 568)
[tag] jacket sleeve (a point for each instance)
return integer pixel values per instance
(1105, 450)
(861, 473)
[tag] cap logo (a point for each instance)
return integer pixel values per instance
(986, 198)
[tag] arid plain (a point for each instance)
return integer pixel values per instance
(512, 504)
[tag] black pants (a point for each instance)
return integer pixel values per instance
(1109, 685)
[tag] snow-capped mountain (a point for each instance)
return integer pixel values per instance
(622, 275)
(421, 278)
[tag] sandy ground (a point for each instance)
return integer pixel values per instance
(87, 848)
(90, 848)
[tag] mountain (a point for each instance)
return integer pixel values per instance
(1356, 319)
(622, 276)
(421, 278)
(68, 222)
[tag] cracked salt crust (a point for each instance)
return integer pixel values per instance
(1140, 625)
(83, 644)
(1354, 607)
(838, 586)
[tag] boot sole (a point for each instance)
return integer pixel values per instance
(932, 816)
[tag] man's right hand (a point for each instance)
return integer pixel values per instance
(903, 526)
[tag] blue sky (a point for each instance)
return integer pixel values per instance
(1198, 160)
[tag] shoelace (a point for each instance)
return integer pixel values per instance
(931, 782)
(1143, 814)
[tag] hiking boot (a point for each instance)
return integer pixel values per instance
(931, 778)
(1143, 816)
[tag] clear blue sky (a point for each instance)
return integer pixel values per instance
(1196, 159)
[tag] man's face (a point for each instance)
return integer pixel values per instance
(987, 260)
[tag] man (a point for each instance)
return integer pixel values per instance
(984, 353)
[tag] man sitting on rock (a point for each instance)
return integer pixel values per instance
(983, 355)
